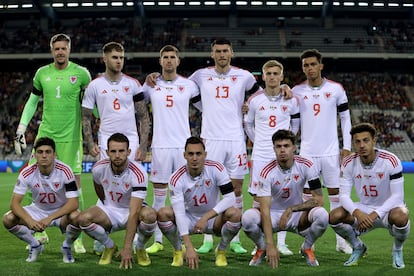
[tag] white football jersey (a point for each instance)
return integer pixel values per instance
(170, 102)
(115, 104)
(268, 114)
(286, 187)
(318, 117)
(119, 189)
(200, 194)
(222, 98)
(376, 184)
(48, 192)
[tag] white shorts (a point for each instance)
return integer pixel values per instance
(164, 162)
(329, 169)
(38, 214)
(256, 168)
(232, 154)
(117, 216)
(378, 222)
(192, 220)
(103, 146)
(292, 225)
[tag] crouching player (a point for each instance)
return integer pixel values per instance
(379, 183)
(279, 193)
(195, 190)
(121, 185)
(55, 200)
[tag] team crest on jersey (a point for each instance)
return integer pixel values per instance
(328, 95)
(127, 185)
(296, 177)
(181, 89)
(56, 185)
(207, 182)
(284, 108)
(380, 175)
(233, 78)
(73, 79)
(126, 89)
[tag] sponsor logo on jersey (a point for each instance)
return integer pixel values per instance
(73, 79)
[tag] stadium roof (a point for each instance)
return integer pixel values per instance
(401, 9)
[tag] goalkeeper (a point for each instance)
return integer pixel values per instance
(61, 85)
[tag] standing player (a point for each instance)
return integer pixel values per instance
(281, 205)
(320, 100)
(61, 85)
(170, 99)
(118, 99)
(121, 186)
(377, 178)
(267, 112)
(196, 206)
(223, 89)
(55, 199)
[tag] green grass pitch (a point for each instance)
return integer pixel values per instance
(378, 260)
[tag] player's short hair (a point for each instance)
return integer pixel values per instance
(169, 48)
(272, 63)
(363, 127)
(284, 134)
(59, 37)
(110, 46)
(221, 41)
(45, 141)
(311, 53)
(194, 141)
(118, 137)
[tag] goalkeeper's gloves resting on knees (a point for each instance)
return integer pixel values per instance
(20, 140)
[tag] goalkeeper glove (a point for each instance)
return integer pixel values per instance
(20, 140)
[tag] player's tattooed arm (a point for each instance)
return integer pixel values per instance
(143, 126)
(87, 131)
